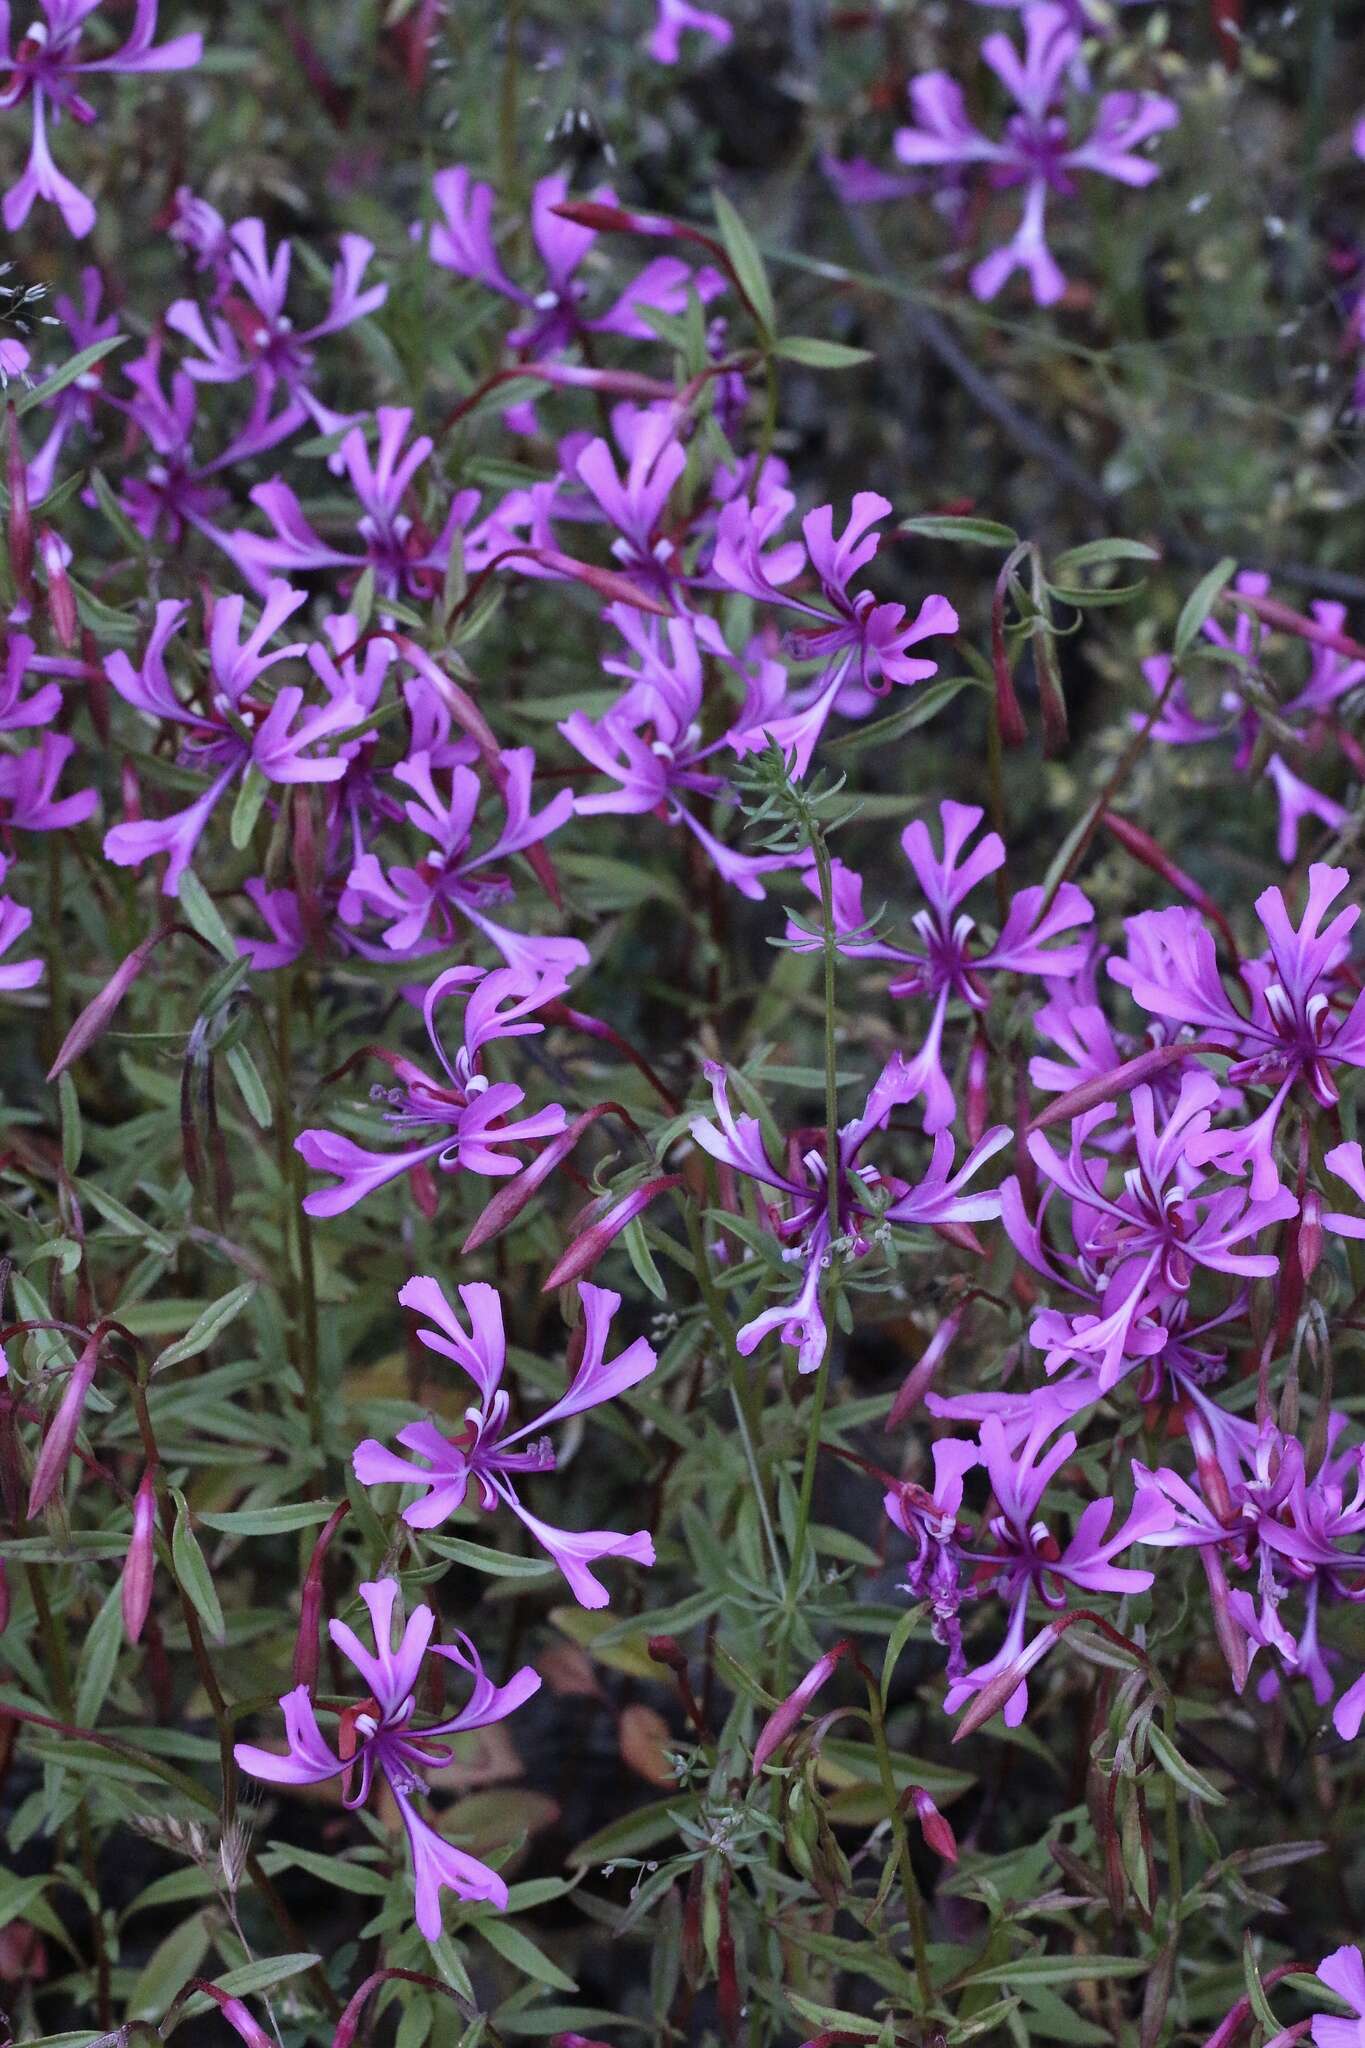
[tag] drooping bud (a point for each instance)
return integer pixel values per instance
(238, 2016)
(920, 1377)
(593, 1240)
(1310, 1232)
(54, 554)
(136, 1592)
(937, 1831)
(978, 1090)
(61, 1434)
(784, 1718)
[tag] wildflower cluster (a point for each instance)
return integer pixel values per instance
(614, 1053)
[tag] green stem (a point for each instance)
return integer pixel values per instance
(914, 1903)
(741, 1387)
(294, 1175)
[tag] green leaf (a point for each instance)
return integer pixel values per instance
(245, 811)
(278, 1521)
(747, 264)
(480, 1557)
(99, 1655)
(73, 1140)
(514, 1947)
(977, 533)
(1175, 1766)
(337, 1870)
(925, 703)
(76, 366)
(1095, 552)
(114, 513)
(206, 1326)
(191, 1570)
(642, 1259)
(240, 1983)
(166, 1969)
(125, 1222)
(202, 912)
(1025, 1970)
(816, 354)
(636, 1831)
(247, 1075)
(1200, 603)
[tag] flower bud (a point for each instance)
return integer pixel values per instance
(978, 1095)
(237, 2015)
(54, 555)
(140, 1563)
(784, 1718)
(1310, 1232)
(61, 1435)
(937, 1832)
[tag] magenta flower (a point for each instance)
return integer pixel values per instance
(1347, 1163)
(1307, 713)
(677, 18)
(861, 644)
(407, 559)
(452, 881)
(74, 405)
(1149, 1239)
(1343, 1972)
(866, 1200)
(44, 67)
(250, 334)
(380, 1735)
(650, 743)
(1297, 1028)
(28, 789)
(485, 1456)
(237, 731)
(1026, 1560)
(950, 962)
(467, 1112)
(556, 311)
(1036, 150)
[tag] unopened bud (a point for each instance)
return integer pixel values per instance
(784, 1718)
(138, 1567)
(1310, 1232)
(936, 1830)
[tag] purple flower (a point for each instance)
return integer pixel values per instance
(407, 559)
(650, 743)
(250, 334)
(380, 1735)
(173, 491)
(1149, 1239)
(462, 242)
(1343, 1972)
(74, 405)
(861, 644)
(866, 1201)
(950, 962)
(14, 922)
(44, 66)
(1307, 712)
(1347, 1163)
(1025, 1559)
(466, 1111)
(452, 881)
(677, 17)
(1296, 1028)
(485, 1456)
(1036, 150)
(28, 789)
(238, 730)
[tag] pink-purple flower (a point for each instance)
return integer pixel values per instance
(380, 1736)
(1037, 150)
(489, 1457)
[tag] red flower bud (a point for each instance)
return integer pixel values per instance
(937, 1832)
(61, 1434)
(784, 1718)
(139, 1565)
